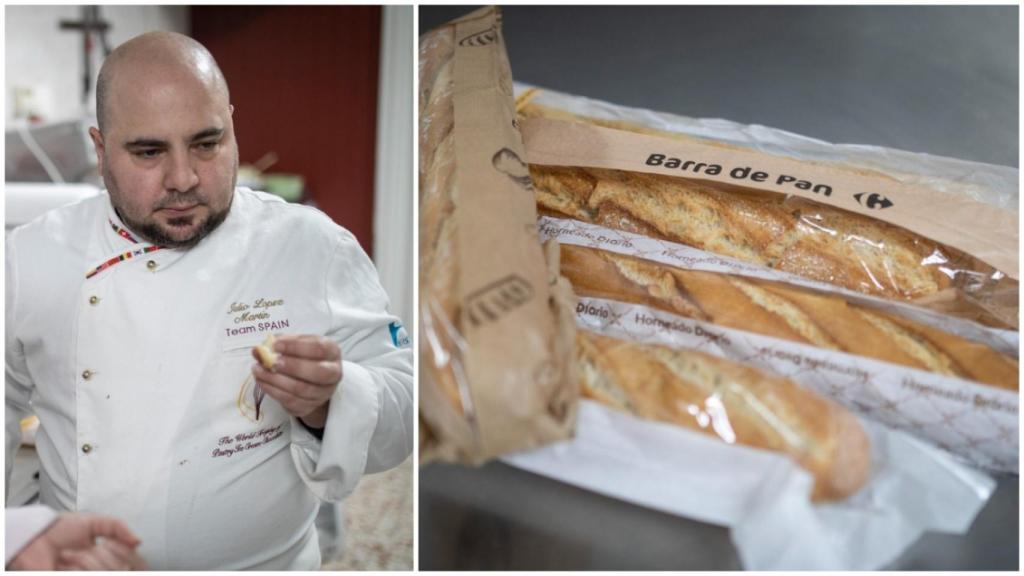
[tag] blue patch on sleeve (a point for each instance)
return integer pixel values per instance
(399, 337)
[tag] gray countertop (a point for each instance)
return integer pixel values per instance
(940, 80)
(501, 518)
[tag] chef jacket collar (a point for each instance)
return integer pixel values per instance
(120, 243)
(118, 236)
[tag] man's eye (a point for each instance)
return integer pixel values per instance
(207, 146)
(147, 153)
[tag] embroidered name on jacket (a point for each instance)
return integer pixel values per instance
(259, 315)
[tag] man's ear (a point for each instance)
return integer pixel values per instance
(231, 109)
(98, 145)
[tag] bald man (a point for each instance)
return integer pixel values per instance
(132, 320)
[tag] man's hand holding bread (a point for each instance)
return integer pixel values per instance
(301, 372)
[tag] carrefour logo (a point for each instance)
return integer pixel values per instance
(399, 337)
(873, 201)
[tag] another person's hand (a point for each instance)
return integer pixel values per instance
(307, 371)
(70, 544)
(105, 555)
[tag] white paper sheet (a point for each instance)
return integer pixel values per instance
(763, 497)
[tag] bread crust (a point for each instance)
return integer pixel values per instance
(785, 312)
(793, 234)
(266, 354)
(437, 246)
(730, 401)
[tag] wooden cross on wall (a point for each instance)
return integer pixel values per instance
(89, 24)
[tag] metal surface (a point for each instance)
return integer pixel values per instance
(940, 80)
(501, 518)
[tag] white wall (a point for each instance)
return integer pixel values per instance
(392, 222)
(41, 56)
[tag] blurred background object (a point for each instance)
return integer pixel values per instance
(49, 152)
(323, 116)
(935, 79)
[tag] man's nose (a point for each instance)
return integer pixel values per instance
(180, 174)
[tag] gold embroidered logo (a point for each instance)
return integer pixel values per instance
(250, 399)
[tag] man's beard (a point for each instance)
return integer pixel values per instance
(152, 232)
(155, 234)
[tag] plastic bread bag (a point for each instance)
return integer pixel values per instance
(961, 395)
(496, 330)
(670, 420)
(941, 376)
(801, 482)
(880, 222)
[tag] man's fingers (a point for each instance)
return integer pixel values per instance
(300, 386)
(308, 346)
(124, 555)
(93, 559)
(319, 373)
(114, 529)
(282, 387)
(294, 405)
(72, 560)
(297, 398)
(288, 384)
(38, 555)
(107, 555)
(313, 374)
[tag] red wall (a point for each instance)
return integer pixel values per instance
(303, 81)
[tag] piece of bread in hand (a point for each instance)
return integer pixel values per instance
(266, 354)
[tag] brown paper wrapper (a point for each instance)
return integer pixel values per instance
(496, 327)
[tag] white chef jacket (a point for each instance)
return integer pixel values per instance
(140, 376)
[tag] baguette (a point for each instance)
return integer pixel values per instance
(495, 322)
(731, 401)
(437, 240)
(792, 234)
(786, 312)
